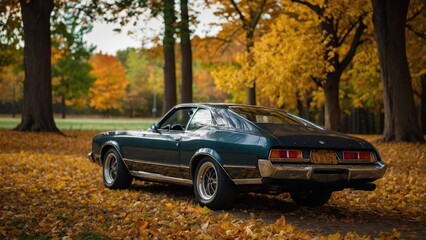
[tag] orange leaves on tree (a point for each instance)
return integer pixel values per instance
(110, 85)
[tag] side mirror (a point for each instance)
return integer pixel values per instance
(154, 128)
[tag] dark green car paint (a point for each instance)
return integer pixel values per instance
(172, 152)
(237, 144)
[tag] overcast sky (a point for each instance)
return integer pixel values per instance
(108, 41)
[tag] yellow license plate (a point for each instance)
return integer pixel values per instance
(324, 157)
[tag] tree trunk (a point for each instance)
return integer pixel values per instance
(423, 103)
(13, 99)
(37, 112)
(372, 122)
(354, 121)
(300, 107)
(401, 123)
(332, 109)
(186, 54)
(170, 98)
(251, 94)
(303, 108)
(251, 91)
(364, 121)
(64, 107)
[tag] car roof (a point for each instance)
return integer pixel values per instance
(220, 105)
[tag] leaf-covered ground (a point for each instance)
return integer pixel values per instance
(48, 189)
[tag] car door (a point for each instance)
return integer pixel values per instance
(196, 137)
(232, 142)
(158, 151)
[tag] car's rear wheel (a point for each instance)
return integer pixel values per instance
(311, 198)
(115, 173)
(212, 186)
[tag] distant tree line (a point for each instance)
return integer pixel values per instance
(341, 63)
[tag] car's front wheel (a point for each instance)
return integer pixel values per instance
(212, 186)
(311, 198)
(115, 173)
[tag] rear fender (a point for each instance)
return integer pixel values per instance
(205, 152)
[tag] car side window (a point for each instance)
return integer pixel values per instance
(201, 119)
(178, 120)
(228, 119)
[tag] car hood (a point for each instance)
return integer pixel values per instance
(306, 136)
(120, 132)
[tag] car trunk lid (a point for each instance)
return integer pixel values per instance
(311, 137)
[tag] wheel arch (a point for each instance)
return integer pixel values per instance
(202, 153)
(107, 146)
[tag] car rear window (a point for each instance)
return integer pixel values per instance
(266, 115)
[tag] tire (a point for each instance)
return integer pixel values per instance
(212, 186)
(311, 198)
(115, 173)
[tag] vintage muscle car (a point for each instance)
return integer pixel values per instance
(223, 149)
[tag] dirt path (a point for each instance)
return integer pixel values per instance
(327, 219)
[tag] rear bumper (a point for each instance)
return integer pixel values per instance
(321, 173)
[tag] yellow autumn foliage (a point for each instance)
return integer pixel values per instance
(290, 60)
(287, 61)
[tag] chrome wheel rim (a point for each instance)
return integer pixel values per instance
(207, 181)
(110, 168)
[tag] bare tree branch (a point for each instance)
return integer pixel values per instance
(224, 46)
(258, 15)
(317, 9)
(349, 30)
(243, 19)
(415, 14)
(356, 41)
(422, 35)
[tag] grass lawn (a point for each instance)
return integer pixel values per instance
(88, 123)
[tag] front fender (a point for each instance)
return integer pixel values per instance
(109, 144)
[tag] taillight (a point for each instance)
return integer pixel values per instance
(285, 154)
(358, 156)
